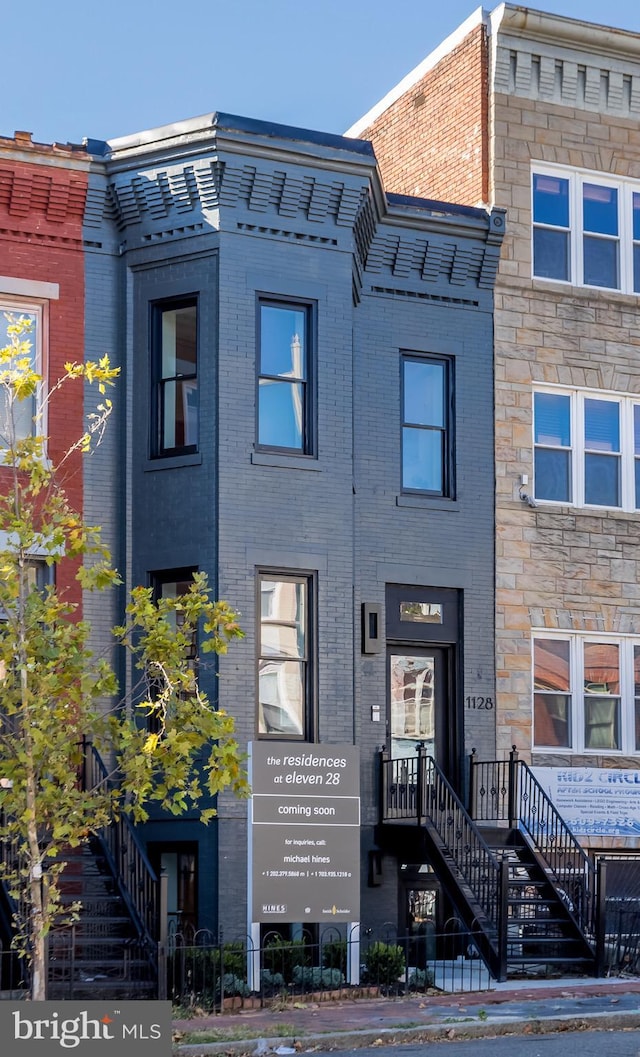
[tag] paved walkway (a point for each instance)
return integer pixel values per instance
(526, 1006)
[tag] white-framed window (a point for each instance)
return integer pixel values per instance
(586, 693)
(23, 418)
(586, 448)
(586, 228)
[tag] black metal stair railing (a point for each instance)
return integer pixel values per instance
(416, 788)
(127, 860)
(507, 790)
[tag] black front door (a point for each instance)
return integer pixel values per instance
(423, 648)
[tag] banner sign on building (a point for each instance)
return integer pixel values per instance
(594, 801)
(304, 832)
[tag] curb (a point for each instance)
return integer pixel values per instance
(458, 1029)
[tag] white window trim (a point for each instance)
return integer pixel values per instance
(577, 397)
(29, 288)
(577, 642)
(576, 178)
(38, 307)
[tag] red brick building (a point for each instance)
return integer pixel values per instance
(42, 197)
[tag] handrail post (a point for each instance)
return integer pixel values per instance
(601, 915)
(472, 783)
(162, 944)
(503, 919)
(83, 768)
(513, 811)
(420, 781)
(383, 790)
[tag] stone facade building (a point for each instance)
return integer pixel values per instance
(538, 115)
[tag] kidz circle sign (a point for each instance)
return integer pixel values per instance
(595, 801)
(304, 832)
(131, 1029)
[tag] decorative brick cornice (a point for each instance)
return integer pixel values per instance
(53, 195)
(207, 184)
(432, 260)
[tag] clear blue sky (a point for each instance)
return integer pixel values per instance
(75, 68)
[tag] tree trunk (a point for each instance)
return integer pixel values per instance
(39, 960)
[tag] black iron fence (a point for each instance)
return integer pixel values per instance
(14, 974)
(208, 973)
(619, 913)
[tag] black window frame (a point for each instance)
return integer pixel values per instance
(309, 709)
(447, 431)
(308, 446)
(158, 383)
(162, 577)
(157, 580)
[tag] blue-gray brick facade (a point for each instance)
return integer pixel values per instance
(231, 211)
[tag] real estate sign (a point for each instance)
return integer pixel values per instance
(304, 832)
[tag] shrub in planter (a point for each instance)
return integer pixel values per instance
(334, 955)
(384, 963)
(420, 980)
(316, 979)
(271, 983)
(232, 986)
(281, 956)
(233, 959)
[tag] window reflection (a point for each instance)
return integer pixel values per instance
(283, 383)
(421, 612)
(412, 680)
(601, 707)
(17, 417)
(282, 665)
(552, 700)
(177, 382)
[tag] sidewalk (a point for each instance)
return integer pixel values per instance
(518, 1007)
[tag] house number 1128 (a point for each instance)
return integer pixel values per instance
(479, 704)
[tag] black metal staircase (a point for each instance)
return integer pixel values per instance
(513, 870)
(111, 948)
(102, 953)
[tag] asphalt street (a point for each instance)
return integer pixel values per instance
(587, 1043)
